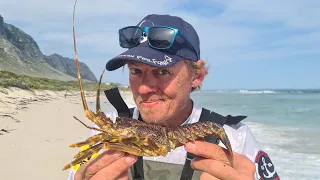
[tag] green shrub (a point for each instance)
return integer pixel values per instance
(9, 79)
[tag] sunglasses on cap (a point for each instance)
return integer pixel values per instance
(158, 37)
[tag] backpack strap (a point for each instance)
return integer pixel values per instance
(234, 119)
(137, 173)
(114, 97)
(207, 115)
(131, 114)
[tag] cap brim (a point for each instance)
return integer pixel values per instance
(145, 55)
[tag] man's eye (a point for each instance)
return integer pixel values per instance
(134, 71)
(163, 72)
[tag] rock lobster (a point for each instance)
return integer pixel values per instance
(137, 137)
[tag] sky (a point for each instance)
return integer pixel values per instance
(248, 44)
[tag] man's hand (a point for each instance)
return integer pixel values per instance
(108, 165)
(213, 161)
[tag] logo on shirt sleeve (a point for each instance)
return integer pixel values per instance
(265, 167)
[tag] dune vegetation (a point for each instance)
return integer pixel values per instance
(9, 79)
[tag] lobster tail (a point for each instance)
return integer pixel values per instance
(178, 136)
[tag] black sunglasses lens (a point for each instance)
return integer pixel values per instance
(160, 37)
(129, 37)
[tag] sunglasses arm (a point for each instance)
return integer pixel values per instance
(185, 39)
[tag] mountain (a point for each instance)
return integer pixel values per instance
(67, 66)
(20, 54)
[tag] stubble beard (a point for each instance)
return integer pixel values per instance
(154, 115)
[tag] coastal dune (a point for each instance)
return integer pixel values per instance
(36, 129)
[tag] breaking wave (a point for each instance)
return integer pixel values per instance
(257, 91)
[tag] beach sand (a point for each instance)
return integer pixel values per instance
(36, 129)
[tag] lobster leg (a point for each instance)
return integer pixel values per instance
(90, 141)
(136, 145)
(91, 150)
(89, 127)
(98, 138)
(149, 147)
(85, 154)
(129, 148)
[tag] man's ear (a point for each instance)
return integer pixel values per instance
(199, 74)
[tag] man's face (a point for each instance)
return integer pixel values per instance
(160, 93)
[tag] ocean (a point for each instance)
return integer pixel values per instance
(285, 122)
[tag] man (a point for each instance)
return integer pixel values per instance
(164, 62)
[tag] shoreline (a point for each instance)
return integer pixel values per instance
(36, 129)
(14, 100)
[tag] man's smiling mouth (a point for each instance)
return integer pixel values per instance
(151, 103)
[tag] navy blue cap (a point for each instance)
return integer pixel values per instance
(161, 58)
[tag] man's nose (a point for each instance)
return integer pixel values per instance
(148, 85)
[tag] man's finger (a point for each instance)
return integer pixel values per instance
(207, 176)
(209, 150)
(124, 176)
(116, 169)
(215, 168)
(89, 169)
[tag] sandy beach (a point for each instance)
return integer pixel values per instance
(36, 129)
